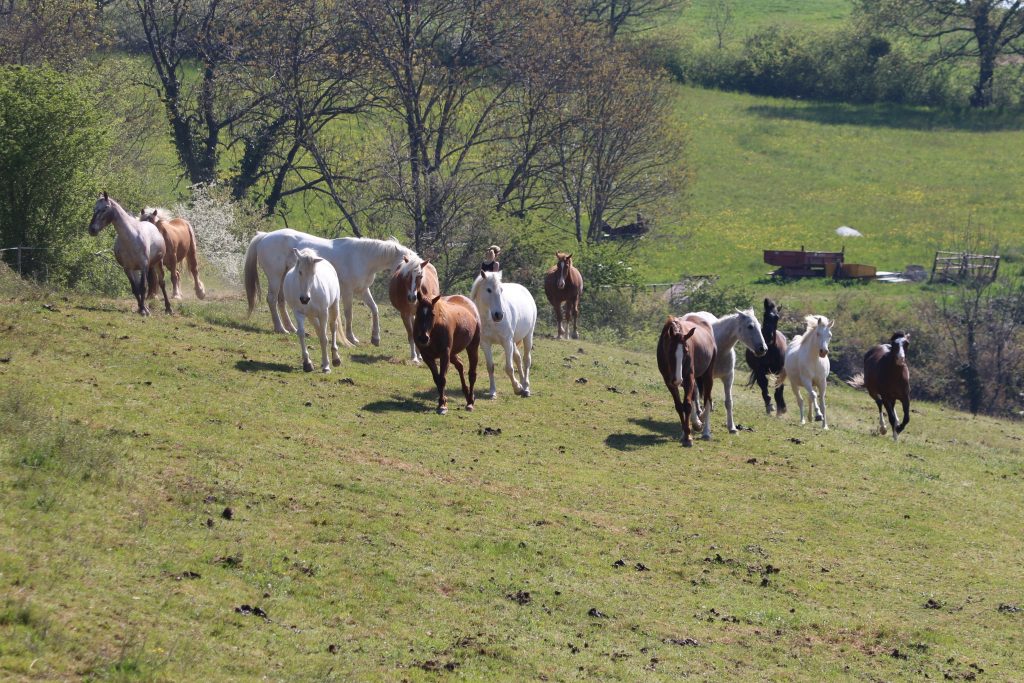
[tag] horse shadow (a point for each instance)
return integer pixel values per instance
(249, 365)
(396, 404)
(663, 432)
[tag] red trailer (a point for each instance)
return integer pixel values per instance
(804, 263)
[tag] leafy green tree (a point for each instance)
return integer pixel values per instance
(52, 139)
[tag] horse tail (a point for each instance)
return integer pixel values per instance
(751, 379)
(252, 275)
(857, 381)
(193, 261)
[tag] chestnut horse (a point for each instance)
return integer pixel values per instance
(564, 284)
(686, 358)
(771, 363)
(443, 327)
(413, 276)
(887, 378)
(180, 239)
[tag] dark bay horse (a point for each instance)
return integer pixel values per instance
(686, 359)
(771, 363)
(887, 379)
(564, 284)
(443, 327)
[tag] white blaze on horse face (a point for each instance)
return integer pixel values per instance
(563, 271)
(678, 379)
(824, 337)
(415, 278)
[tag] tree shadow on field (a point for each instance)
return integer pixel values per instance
(663, 432)
(894, 116)
(249, 365)
(369, 358)
(396, 404)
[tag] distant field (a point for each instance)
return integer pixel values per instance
(778, 174)
(383, 542)
(752, 14)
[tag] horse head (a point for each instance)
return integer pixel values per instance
(823, 327)
(423, 322)
(413, 272)
(770, 325)
(750, 332)
(564, 267)
(487, 295)
(305, 268)
(149, 215)
(101, 214)
(675, 338)
(899, 344)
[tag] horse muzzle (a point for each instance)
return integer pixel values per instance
(411, 298)
(761, 353)
(93, 231)
(422, 339)
(304, 300)
(497, 316)
(823, 353)
(561, 284)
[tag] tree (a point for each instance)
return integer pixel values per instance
(720, 19)
(982, 30)
(619, 15)
(58, 32)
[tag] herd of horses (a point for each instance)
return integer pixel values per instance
(318, 279)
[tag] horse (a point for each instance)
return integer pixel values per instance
(412, 275)
(357, 261)
(180, 240)
(508, 316)
(730, 330)
(686, 358)
(807, 365)
(887, 379)
(139, 248)
(311, 288)
(564, 284)
(771, 363)
(443, 327)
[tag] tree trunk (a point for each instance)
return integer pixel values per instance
(982, 95)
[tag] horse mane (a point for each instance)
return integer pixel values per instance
(408, 266)
(811, 320)
(162, 214)
(480, 279)
(560, 255)
(385, 247)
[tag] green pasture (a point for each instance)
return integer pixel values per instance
(755, 14)
(385, 542)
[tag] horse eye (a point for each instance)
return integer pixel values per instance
(488, 290)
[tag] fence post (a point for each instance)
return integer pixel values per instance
(19, 262)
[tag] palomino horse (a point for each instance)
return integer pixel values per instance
(508, 316)
(357, 261)
(444, 326)
(729, 330)
(887, 378)
(139, 248)
(771, 363)
(311, 289)
(686, 359)
(807, 365)
(564, 284)
(412, 275)
(180, 240)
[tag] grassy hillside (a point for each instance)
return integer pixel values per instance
(754, 14)
(778, 174)
(384, 542)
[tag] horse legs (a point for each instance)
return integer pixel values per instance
(489, 358)
(881, 420)
(906, 415)
(473, 353)
(462, 378)
(704, 386)
(407, 320)
(558, 317)
(440, 381)
(821, 405)
(300, 331)
(283, 308)
(780, 401)
(138, 289)
(321, 333)
(573, 311)
(727, 385)
(156, 274)
(509, 347)
(175, 279)
(762, 382)
(684, 410)
(372, 305)
(346, 299)
(525, 363)
(799, 398)
(334, 313)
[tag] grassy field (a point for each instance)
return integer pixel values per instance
(754, 14)
(384, 542)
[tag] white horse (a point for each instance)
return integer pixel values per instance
(139, 248)
(508, 316)
(311, 288)
(357, 261)
(730, 330)
(807, 365)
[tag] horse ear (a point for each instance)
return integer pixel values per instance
(569, 257)
(689, 334)
(424, 262)
(767, 303)
(831, 323)
(105, 195)
(405, 259)
(435, 300)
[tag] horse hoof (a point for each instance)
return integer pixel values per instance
(375, 341)
(177, 296)
(493, 395)
(687, 443)
(525, 393)
(734, 431)
(326, 369)
(307, 367)
(443, 410)
(705, 437)
(336, 362)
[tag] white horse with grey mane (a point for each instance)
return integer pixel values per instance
(741, 326)
(311, 289)
(357, 260)
(508, 316)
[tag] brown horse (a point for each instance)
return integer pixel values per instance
(414, 276)
(564, 284)
(772, 362)
(686, 358)
(444, 326)
(887, 378)
(180, 239)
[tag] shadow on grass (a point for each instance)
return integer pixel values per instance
(894, 116)
(249, 365)
(396, 404)
(370, 358)
(226, 321)
(663, 432)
